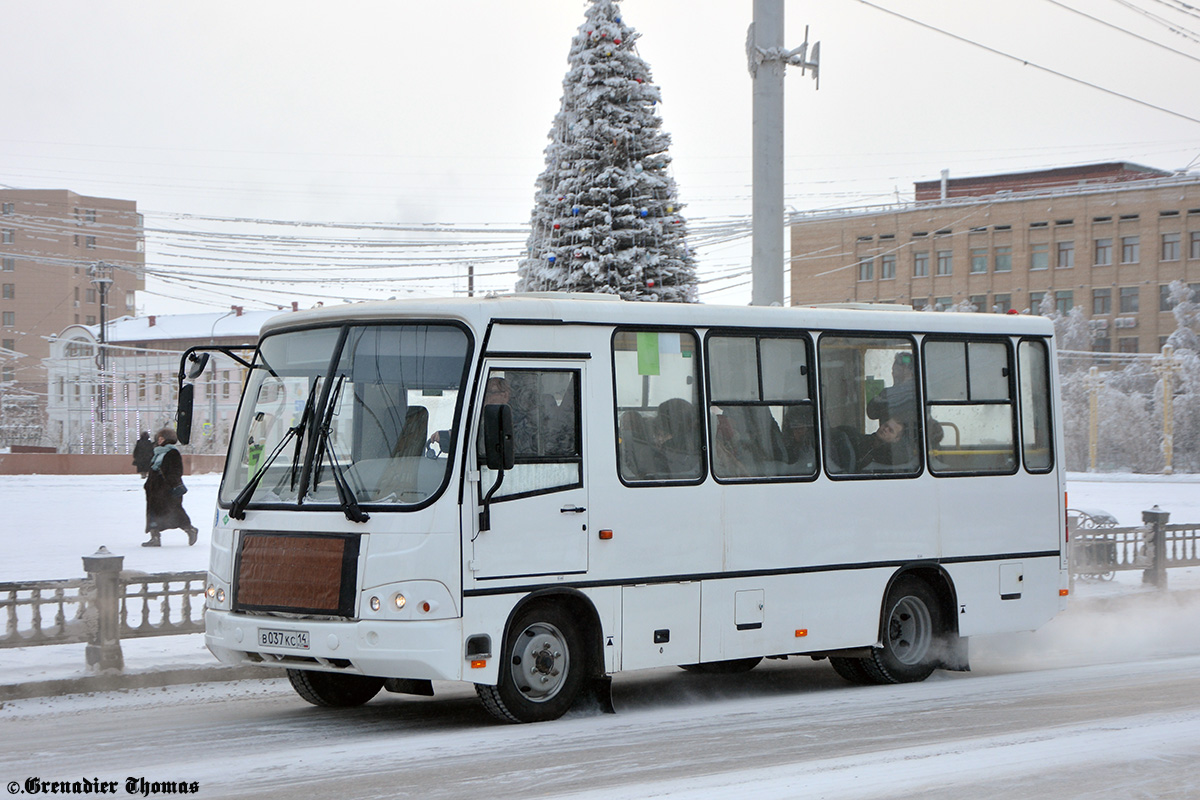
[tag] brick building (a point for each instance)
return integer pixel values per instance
(1108, 238)
(51, 243)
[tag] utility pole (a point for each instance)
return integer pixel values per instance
(766, 58)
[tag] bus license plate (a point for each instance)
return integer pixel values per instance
(292, 640)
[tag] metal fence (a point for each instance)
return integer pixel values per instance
(1100, 549)
(101, 609)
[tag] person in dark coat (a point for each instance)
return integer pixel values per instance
(165, 490)
(143, 452)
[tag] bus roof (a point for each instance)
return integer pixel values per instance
(540, 307)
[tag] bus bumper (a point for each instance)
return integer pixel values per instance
(390, 649)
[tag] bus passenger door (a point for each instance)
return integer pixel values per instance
(537, 518)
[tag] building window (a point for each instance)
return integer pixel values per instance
(978, 260)
(1130, 249)
(887, 266)
(1170, 246)
(10, 291)
(1066, 255)
(1103, 252)
(1102, 345)
(91, 242)
(1101, 301)
(9, 265)
(225, 383)
(1127, 344)
(1003, 259)
(1194, 245)
(1063, 301)
(979, 301)
(89, 320)
(921, 264)
(918, 304)
(8, 344)
(866, 269)
(89, 295)
(1001, 303)
(1129, 300)
(945, 262)
(1039, 256)
(1164, 298)
(8, 209)
(9, 319)
(1035, 303)
(7, 236)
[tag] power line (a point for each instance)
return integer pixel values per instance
(1122, 30)
(1026, 62)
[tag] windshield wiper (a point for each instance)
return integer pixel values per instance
(349, 502)
(237, 509)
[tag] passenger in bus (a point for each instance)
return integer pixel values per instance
(885, 449)
(640, 458)
(798, 438)
(677, 436)
(900, 393)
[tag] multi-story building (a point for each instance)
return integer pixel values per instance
(61, 255)
(101, 397)
(1109, 238)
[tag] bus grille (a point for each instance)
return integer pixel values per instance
(298, 573)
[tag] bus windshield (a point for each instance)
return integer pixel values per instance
(372, 407)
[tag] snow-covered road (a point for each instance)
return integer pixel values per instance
(787, 729)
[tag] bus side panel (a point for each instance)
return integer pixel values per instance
(1004, 596)
(799, 613)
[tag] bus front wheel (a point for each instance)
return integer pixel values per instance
(542, 670)
(334, 689)
(911, 632)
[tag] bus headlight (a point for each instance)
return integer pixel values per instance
(214, 596)
(400, 601)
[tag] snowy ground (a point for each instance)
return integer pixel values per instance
(51, 521)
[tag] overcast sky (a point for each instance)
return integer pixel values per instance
(438, 111)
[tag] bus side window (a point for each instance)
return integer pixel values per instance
(659, 431)
(1036, 435)
(869, 422)
(969, 407)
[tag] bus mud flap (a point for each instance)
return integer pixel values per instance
(596, 695)
(409, 686)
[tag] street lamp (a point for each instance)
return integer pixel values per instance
(101, 277)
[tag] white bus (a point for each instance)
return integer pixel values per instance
(534, 492)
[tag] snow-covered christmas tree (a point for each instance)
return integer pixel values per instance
(606, 217)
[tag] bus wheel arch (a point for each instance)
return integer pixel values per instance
(918, 629)
(550, 652)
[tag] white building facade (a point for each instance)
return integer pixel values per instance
(101, 396)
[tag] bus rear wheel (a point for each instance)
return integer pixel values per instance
(334, 689)
(911, 632)
(852, 669)
(542, 668)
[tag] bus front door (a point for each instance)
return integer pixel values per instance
(537, 519)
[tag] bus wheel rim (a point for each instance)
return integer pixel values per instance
(541, 662)
(910, 631)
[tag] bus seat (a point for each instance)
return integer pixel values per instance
(841, 449)
(412, 438)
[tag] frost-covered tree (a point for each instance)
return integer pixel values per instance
(606, 217)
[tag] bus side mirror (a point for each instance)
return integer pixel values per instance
(198, 362)
(498, 437)
(183, 417)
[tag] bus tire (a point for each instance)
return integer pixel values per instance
(543, 667)
(852, 669)
(910, 633)
(731, 667)
(334, 689)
